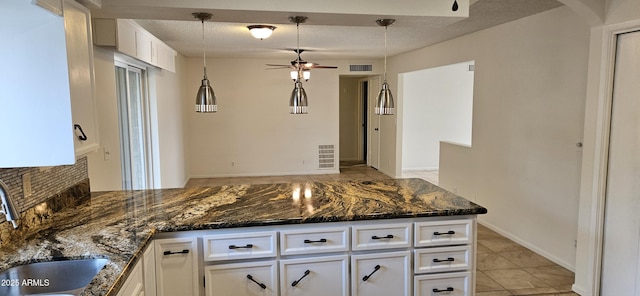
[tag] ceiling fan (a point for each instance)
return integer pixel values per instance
(299, 66)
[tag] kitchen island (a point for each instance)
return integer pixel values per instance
(119, 225)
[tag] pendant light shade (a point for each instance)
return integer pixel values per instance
(298, 100)
(385, 104)
(205, 99)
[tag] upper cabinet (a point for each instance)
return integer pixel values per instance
(77, 23)
(131, 39)
(46, 83)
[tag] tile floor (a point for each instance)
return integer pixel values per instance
(503, 268)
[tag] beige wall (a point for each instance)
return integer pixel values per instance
(530, 84)
(350, 126)
(253, 133)
(105, 173)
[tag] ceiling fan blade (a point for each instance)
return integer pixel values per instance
(276, 68)
(323, 67)
(274, 65)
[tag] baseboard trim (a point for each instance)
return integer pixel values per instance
(527, 245)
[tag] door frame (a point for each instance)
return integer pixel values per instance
(373, 159)
(595, 159)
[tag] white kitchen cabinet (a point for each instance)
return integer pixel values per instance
(381, 236)
(240, 246)
(177, 266)
(34, 83)
(384, 273)
(311, 240)
(163, 55)
(442, 233)
(242, 279)
(450, 284)
(137, 283)
(315, 276)
(131, 39)
(149, 270)
(134, 285)
(77, 23)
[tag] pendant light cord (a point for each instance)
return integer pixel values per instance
(204, 51)
(385, 54)
(299, 68)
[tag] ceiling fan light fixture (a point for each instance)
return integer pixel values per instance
(261, 31)
(206, 101)
(385, 104)
(298, 100)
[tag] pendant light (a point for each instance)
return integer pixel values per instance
(298, 99)
(385, 104)
(205, 99)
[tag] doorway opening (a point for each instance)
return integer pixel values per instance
(437, 106)
(358, 144)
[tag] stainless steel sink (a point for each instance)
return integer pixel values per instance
(68, 277)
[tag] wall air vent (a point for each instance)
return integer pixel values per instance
(360, 68)
(326, 157)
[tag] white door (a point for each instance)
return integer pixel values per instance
(373, 157)
(315, 276)
(620, 261)
(381, 274)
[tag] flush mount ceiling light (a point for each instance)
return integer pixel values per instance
(261, 31)
(385, 104)
(205, 99)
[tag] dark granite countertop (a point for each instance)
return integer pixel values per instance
(118, 225)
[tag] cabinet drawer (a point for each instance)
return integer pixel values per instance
(239, 245)
(438, 233)
(242, 279)
(383, 236)
(450, 284)
(432, 260)
(315, 276)
(383, 274)
(321, 240)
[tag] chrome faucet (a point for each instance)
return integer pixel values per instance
(8, 208)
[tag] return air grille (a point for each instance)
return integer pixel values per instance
(326, 157)
(360, 68)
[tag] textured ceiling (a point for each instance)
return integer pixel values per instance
(360, 40)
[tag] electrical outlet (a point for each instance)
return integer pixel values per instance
(26, 185)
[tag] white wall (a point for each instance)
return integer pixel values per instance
(105, 173)
(529, 92)
(166, 91)
(170, 133)
(437, 105)
(253, 133)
